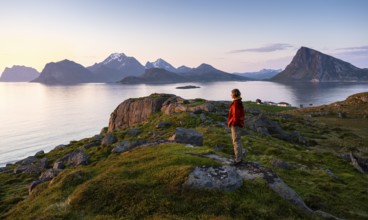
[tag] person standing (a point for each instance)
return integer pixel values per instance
(236, 123)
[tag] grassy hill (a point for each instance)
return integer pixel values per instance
(147, 182)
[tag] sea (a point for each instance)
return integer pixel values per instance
(35, 117)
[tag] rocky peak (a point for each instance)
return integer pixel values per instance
(160, 63)
(314, 66)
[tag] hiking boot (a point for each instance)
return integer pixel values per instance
(237, 164)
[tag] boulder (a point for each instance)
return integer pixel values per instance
(359, 163)
(108, 140)
(61, 147)
(187, 136)
(163, 125)
(58, 165)
(125, 146)
(48, 174)
(40, 153)
(177, 104)
(281, 164)
(214, 177)
(92, 144)
(27, 161)
(262, 124)
(133, 132)
(29, 169)
(135, 111)
(33, 184)
(75, 158)
(44, 163)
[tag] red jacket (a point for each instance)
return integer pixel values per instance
(236, 114)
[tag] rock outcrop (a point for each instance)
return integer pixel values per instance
(214, 177)
(187, 136)
(262, 124)
(135, 111)
(229, 178)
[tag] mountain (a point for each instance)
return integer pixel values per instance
(160, 63)
(309, 65)
(206, 73)
(183, 69)
(19, 74)
(65, 72)
(262, 74)
(115, 67)
(154, 75)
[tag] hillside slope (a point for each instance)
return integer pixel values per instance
(134, 171)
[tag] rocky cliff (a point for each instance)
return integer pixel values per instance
(309, 65)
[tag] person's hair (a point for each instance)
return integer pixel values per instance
(236, 92)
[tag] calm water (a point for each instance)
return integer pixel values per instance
(36, 117)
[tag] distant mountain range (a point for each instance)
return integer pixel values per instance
(19, 74)
(260, 75)
(309, 65)
(203, 73)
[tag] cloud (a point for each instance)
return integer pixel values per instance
(264, 49)
(362, 50)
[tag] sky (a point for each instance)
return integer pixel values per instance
(232, 35)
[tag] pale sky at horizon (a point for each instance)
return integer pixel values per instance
(234, 36)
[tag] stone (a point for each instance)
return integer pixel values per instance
(61, 147)
(133, 132)
(48, 174)
(214, 177)
(263, 125)
(135, 111)
(253, 170)
(281, 164)
(27, 161)
(92, 144)
(40, 153)
(108, 140)
(187, 136)
(125, 146)
(97, 137)
(177, 104)
(360, 164)
(329, 172)
(75, 158)
(163, 125)
(58, 165)
(44, 163)
(33, 184)
(29, 169)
